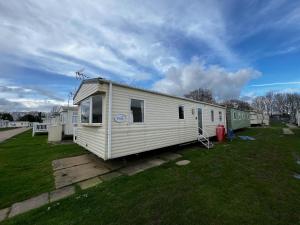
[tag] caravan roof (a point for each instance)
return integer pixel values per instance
(102, 80)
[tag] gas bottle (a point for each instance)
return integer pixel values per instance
(220, 132)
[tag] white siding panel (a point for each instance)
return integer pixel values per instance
(210, 126)
(85, 91)
(161, 126)
(92, 138)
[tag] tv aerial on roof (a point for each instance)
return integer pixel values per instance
(80, 75)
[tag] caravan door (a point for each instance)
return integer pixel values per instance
(200, 122)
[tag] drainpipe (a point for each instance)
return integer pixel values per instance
(109, 121)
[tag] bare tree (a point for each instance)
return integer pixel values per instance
(269, 103)
(200, 94)
(259, 103)
(278, 103)
(238, 104)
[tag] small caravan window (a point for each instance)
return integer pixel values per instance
(212, 115)
(74, 117)
(97, 109)
(220, 116)
(85, 111)
(137, 110)
(234, 115)
(181, 112)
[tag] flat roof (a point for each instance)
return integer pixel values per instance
(102, 80)
(242, 110)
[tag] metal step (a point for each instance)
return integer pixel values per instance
(203, 139)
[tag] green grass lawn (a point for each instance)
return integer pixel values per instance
(240, 182)
(7, 128)
(25, 166)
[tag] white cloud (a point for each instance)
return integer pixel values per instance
(276, 84)
(110, 34)
(224, 84)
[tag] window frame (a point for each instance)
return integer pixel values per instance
(90, 100)
(235, 115)
(220, 116)
(81, 103)
(75, 117)
(91, 109)
(212, 115)
(179, 112)
(144, 111)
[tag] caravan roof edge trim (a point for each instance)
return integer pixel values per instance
(101, 80)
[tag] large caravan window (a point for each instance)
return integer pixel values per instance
(212, 115)
(91, 109)
(97, 109)
(181, 112)
(137, 110)
(220, 116)
(85, 111)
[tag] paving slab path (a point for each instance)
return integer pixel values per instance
(287, 131)
(292, 126)
(140, 166)
(3, 214)
(72, 170)
(4, 135)
(28, 204)
(182, 162)
(86, 171)
(61, 193)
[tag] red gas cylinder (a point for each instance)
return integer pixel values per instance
(220, 132)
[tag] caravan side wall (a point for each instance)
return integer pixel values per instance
(93, 138)
(162, 126)
(298, 118)
(237, 119)
(256, 118)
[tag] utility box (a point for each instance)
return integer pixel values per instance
(55, 133)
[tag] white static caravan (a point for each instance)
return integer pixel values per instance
(256, 118)
(116, 120)
(19, 124)
(266, 119)
(68, 118)
(4, 123)
(298, 118)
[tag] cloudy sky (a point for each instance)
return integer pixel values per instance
(235, 48)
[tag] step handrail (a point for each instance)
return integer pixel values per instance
(205, 136)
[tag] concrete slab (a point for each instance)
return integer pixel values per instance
(287, 131)
(141, 165)
(29, 204)
(182, 162)
(110, 176)
(155, 162)
(68, 176)
(61, 193)
(4, 135)
(169, 156)
(292, 126)
(115, 164)
(89, 183)
(297, 176)
(72, 161)
(3, 214)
